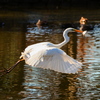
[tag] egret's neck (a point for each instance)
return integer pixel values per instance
(66, 40)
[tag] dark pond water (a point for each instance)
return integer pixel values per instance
(29, 83)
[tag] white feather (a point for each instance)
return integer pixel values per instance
(50, 58)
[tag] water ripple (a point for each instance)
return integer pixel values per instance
(89, 80)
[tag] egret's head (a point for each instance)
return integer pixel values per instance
(74, 30)
(79, 31)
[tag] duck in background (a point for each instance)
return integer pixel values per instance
(41, 23)
(84, 24)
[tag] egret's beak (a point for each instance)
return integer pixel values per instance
(83, 32)
(78, 31)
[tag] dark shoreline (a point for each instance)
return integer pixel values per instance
(50, 4)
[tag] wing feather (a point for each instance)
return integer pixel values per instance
(51, 58)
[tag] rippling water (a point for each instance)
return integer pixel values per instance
(29, 83)
(89, 79)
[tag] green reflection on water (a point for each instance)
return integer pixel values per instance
(12, 42)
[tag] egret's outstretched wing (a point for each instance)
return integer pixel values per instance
(52, 58)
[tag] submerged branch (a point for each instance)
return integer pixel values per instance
(6, 71)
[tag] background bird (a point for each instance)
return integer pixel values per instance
(84, 25)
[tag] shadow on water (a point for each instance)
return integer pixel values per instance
(29, 83)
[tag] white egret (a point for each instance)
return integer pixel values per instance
(49, 56)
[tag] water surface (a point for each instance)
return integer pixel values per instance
(29, 83)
